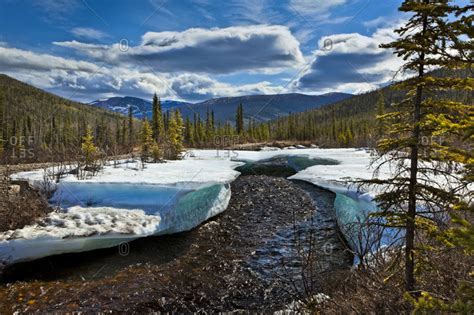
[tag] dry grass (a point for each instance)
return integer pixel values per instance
(379, 289)
(20, 205)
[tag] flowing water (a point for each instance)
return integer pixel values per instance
(276, 249)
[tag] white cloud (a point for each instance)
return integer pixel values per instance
(351, 63)
(216, 50)
(86, 81)
(12, 58)
(199, 87)
(89, 33)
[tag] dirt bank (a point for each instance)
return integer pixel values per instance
(19, 204)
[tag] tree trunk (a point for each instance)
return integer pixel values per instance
(411, 214)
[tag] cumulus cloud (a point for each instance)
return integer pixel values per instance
(199, 87)
(214, 51)
(85, 81)
(12, 58)
(87, 32)
(120, 81)
(351, 62)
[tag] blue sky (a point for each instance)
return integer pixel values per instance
(197, 49)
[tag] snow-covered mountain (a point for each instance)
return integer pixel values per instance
(259, 107)
(140, 106)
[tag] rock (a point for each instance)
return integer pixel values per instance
(14, 189)
(300, 146)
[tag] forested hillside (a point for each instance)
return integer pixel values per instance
(351, 122)
(261, 107)
(36, 125)
(39, 126)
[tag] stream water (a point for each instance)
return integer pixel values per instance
(274, 255)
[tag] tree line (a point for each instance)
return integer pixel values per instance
(40, 126)
(352, 122)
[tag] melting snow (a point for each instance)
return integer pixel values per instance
(124, 203)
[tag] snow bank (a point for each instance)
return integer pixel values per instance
(125, 203)
(194, 208)
(184, 173)
(77, 230)
(83, 229)
(332, 169)
(122, 204)
(149, 198)
(352, 204)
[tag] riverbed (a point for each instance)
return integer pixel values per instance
(250, 257)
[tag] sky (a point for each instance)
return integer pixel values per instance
(193, 50)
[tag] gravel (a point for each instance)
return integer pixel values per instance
(226, 264)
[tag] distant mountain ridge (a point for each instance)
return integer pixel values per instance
(259, 107)
(140, 107)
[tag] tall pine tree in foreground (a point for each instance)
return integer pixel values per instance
(425, 130)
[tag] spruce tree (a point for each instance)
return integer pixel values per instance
(239, 119)
(131, 137)
(154, 117)
(147, 142)
(209, 133)
(175, 134)
(380, 113)
(157, 119)
(424, 128)
(89, 150)
(123, 138)
(188, 132)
